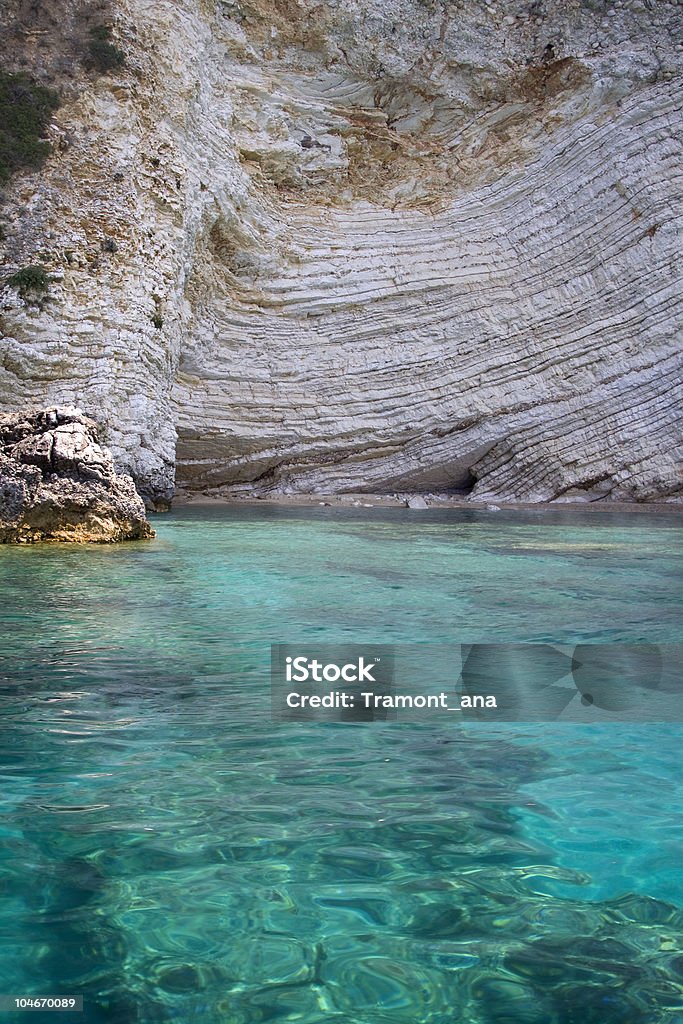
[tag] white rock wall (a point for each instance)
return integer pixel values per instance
(410, 244)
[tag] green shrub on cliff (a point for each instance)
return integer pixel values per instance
(25, 112)
(101, 54)
(31, 282)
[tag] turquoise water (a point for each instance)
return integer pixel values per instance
(172, 854)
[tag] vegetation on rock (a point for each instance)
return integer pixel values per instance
(25, 112)
(101, 54)
(30, 282)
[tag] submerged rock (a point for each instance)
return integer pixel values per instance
(58, 483)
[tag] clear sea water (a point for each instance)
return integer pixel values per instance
(170, 853)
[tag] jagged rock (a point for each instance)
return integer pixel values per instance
(58, 483)
(415, 501)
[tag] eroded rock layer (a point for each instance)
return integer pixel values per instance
(57, 483)
(398, 244)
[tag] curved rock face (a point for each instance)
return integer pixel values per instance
(378, 245)
(58, 483)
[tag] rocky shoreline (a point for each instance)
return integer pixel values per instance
(380, 245)
(183, 499)
(58, 482)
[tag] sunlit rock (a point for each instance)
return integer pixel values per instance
(58, 483)
(371, 246)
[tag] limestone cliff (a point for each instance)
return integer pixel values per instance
(415, 244)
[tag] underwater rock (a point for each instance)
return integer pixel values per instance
(58, 483)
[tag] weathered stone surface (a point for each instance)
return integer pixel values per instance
(58, 483)
(378, 245)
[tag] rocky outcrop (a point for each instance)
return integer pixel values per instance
(373, 245)
(58, 483)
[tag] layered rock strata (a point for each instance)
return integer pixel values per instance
(57, 483)
(382, 245)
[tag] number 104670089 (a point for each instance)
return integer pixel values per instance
(72, 1003)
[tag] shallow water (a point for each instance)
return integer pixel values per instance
(172, 854)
